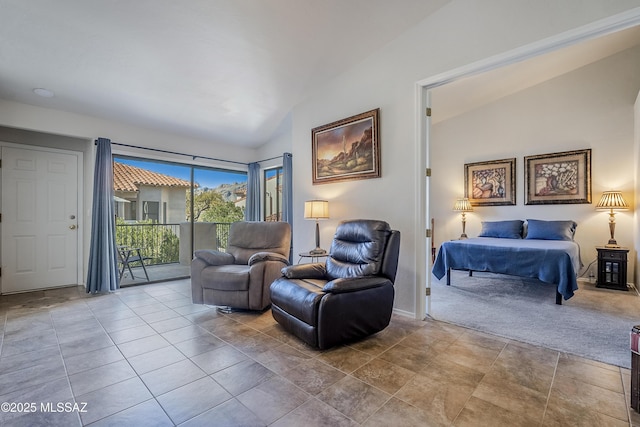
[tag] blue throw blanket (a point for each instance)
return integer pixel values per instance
(552, 261)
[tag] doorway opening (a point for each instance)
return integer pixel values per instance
(464, 75)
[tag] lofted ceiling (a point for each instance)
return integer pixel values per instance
(221, 70)
(227, 71)
(472, 92)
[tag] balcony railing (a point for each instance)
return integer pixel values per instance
(160, 243)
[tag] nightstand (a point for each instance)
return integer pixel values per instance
(612, 268)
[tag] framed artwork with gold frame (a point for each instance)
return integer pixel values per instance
(491, 183)
(558, 178)
(346, 149)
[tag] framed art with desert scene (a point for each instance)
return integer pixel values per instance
(491, 183)
(558, 178)
(347, 149)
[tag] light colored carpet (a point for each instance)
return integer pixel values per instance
(595, 323)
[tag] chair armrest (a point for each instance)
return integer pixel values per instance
(212, 257)
(305, 271)
(352, 284)
(267, 256)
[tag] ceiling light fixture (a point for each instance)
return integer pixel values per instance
(45, 93)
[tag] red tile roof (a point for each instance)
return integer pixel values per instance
(128, 178)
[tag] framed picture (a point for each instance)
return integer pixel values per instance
(347, 149)
(558, 178)
(491, 183)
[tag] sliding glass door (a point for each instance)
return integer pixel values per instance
(219, 198)
(162, 207)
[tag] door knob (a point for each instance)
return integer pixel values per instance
(72, 227)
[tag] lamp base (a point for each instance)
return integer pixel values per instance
(612, 228)
(317, 251)
(463, 236)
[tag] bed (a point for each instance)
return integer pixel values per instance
(550, 256)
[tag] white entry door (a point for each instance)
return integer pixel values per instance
(39, 219)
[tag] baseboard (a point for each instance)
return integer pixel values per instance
(404, 313)
(631, 286)
(586, 280)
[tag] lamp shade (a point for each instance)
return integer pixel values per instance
(316, 209)
(612, 200)
(463, 205)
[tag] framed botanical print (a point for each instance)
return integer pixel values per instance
(491, 183)
(558, 178)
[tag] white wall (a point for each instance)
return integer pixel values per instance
(279, 143)
(175, 199)
(459, 33)
(24, 116)
(636, 211)
(587, 108)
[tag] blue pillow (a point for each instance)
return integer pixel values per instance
(550, 230)
(503, 229)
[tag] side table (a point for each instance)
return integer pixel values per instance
(612, 268)
(314, 257)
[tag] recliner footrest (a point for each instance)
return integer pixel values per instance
(305, 332)
(297, 297)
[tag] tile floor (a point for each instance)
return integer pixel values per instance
(147, 356)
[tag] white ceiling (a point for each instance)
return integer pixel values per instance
(226, 70)
(473, 92)
(222, 70)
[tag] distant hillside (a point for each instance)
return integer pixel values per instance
(232, 192)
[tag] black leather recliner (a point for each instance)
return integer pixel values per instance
(348, 297)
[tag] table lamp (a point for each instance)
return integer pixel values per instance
(463, 205)
(612, 200)
(316, 209)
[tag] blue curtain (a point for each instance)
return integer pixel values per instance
(287, 188)
(103, 257)
(252, 209)
(287, 194)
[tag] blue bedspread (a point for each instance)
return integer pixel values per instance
(552, 261)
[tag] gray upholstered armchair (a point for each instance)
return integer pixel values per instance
(241, 276)
(348, 297)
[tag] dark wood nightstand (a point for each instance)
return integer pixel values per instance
(612, 268)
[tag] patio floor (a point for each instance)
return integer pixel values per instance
(157, 273)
